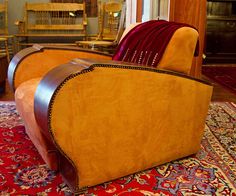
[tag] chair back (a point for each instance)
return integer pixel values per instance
(121, 27)
(4, 50)
(3, 18)
(110, 20)
(158, 43)
(55, 18)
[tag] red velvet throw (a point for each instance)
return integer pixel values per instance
(145, 44)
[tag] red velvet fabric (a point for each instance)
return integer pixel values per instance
(146, 43)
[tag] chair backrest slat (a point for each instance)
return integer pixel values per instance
(110, 20)
(55, 17)
(3, 18)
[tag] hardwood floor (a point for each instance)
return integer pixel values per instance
(222, 94)
(219, 93)
(8, 95)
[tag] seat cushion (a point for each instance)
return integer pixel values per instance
(24, 98)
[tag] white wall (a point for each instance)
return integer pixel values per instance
(16, 12)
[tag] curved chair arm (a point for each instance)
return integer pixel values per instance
(37, 60)
(110, 120)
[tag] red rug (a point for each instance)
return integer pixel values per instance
(211, 172)
(225, 76)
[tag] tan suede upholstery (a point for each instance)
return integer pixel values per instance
(179, 53)
(38, 64)
(97, 121)
(126, 121)
(24, 98)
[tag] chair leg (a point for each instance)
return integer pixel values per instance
(7, 50)
(13, 46)
(17, 44)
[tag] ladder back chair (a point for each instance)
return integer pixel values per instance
(59, 21)
(6, 40)
(111, 26)
(111, 13)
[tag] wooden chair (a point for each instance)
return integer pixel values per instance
(60, 22)
(111, 27)
(4, 50)
(110, 19)
(6, 41)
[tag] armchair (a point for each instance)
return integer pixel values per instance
(95, 119)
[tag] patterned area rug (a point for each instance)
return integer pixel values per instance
(210, 172)
(225, 76)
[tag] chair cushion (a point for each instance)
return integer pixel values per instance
(24, 98)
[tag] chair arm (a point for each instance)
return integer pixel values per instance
(37, 60)
(111, 119)
(21, 26)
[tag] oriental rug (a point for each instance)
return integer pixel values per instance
(212, 171)
(225, 76)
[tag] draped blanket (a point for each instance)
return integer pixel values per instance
(146, 43)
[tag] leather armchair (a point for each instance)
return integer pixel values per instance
(95, 120)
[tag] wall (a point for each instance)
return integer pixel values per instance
(16, 12)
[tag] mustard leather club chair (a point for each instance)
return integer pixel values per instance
(95, 119)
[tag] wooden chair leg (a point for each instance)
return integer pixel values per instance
(7, 50)
(13, 45)
(16, 45)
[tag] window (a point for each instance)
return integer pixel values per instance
(155, 9)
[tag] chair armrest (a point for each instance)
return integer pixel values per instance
(37, 60)
(21, 26)
(104, 117)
